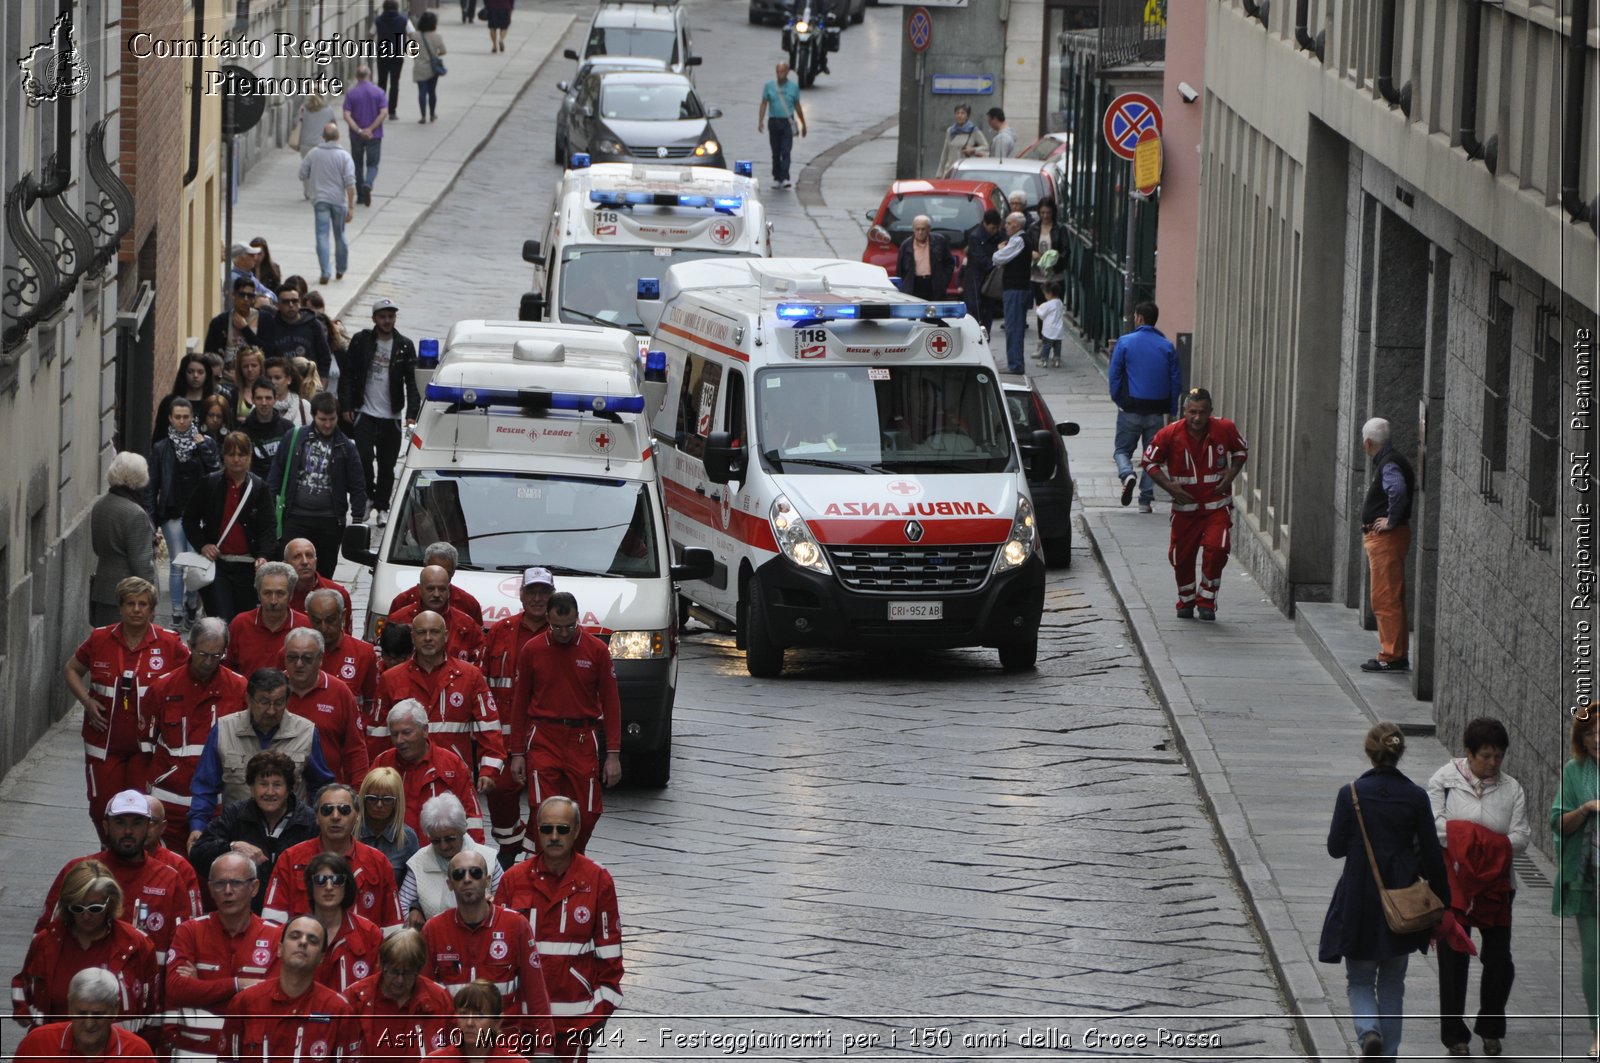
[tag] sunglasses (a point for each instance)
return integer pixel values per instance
(328, 810)
(379, 799)
(555, 828)
(92, 909)
(459, 873)
(328, 878)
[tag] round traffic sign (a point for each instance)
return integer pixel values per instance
(1127, 119)
(919, 29)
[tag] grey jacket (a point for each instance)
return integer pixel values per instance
(124, 545)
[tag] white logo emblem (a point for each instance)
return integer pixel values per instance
(498, 950)
(661, 153)
(318, 1049)
(940, 344)
(905, 488)
(348, 671)
(369, 900)
(261, 957)
(360, 969)
(157, 662)
(581, 915)
(456, 700)
(54, 69)
(601, 441)
(153, 922)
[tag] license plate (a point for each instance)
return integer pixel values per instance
(916, 610)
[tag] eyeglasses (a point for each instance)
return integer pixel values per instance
(92, 909)
(379, 799)
(299, 658)
(555, 828)
(459, 873)
(226, 884)
(328, 878)
(328, 810)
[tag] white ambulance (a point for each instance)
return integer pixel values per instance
(612, 223)
(532, 449)
(845, 452)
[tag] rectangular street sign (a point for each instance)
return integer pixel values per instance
(963, 84)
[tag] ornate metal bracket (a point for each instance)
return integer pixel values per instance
(110, 213)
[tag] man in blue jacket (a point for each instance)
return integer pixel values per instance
(1145, 384)
(319, 476)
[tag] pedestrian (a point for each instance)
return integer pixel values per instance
(427, 768)
(383, 821)
(121, 536)
(306, 370)
(1046, 241)
(301, 555)
(293, 333)
(354, 662)
(194, 381)
(566, 717)
(389, 29)
(321, 479)
(255, 636)
(371, 877)
(377, 390)
(365, 108)
(1576, 827)
(1386, 534)
(186, 703)
(1392, 811)
(469, 11)
(329, 174)
(235, 328)
(982, 241)
(453, 691)
(962, 140)
(338, 340)
(582, 960)
(1146, 382)
(464, 635)
(353, 939)
(476, 1035)
(292, 1008)
(1195, 460)
(1003, 145)
(259, 826)
(925, 263)
(286, 394)
(265, 428)
(155, 849)
(1017, 203)
(248, 367)
(1016, 266)
(110, 675)
(780, 113)
(1481, 816)
(427, 68)
(94, 1002)
(325, 701)
(178, 464)
(214, 957)
(502, 645)
(447, 557)
(88, 932)
(229, 520)
(266, 270)
(216, 418)
(497, 13)
(1051, 314)
(244, 259)
(426, 889)
(310, 120)
(394, 648)
(400, 1008)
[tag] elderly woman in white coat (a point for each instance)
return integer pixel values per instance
(426, 890)
(1481, 815)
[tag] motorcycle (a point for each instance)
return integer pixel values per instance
(808, 36)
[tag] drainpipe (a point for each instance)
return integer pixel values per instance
(1489, 152)
(1402, 98)
(1256, 11)
(1572, 120)
(196, 93)
(1302, 36)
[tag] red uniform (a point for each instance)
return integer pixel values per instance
(402, 1031)
(438, 772)
(185, 872)
(267, 1024)
(330, 705)
(253, 645)
(501, 646)
(197, 1004)
(465, 635)
(119, 680)
(182, 713)
(502, 949)
(55, 1042)
(304, 587)
(564, 694)
(459, 599)
(39, 992)
(351, 956)
(574, 916)
(377, 898)
(1198, 465)
(462, 716)
(356, 665)
(154, 898)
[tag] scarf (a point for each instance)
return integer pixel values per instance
(965, 130)
(182, 445)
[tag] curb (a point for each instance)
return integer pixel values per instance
(808, 190)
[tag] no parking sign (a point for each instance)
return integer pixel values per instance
(1127, 119)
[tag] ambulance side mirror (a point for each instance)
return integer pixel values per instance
(530, 307)
(570, 54)
(724, 460)
(697, 563)
(532, 252)
(357, 545)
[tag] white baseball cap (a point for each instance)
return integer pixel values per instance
(534, 576)
(129, 803)
(385, 304)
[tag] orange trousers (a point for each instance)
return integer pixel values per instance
(1386, 564)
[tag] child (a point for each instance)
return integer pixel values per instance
(1050, 314)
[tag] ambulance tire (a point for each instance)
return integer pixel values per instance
(763, 657)
(1019, 656)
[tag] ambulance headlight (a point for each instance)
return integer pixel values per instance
(795, 539)
(1022, 541)
(638, 645)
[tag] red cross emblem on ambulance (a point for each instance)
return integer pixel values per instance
(905, 487)
(722, 232)
(940, 345)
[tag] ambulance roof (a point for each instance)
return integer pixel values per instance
(636, 176)
(585, 346)
(752, 284)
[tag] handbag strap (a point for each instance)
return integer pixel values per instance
(249, 485)
(294, 437)
(1362, 820)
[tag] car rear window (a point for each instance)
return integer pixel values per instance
(1031, 184)
(952, 216)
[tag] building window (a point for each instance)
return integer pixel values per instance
(1544, 435)
(1496, 399)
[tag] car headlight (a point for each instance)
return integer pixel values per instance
(1020, 544)
(795, 539)
(608, 146)
(708, 148)
(638, 645)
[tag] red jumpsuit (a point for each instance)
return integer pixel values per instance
(502, 949)
(119, 680)
(580, 939)
(402, 1031)
(154, 898)
(465, 635)
(197, 1004)
(266, 1024)
(459, 599)
(330, 705)
(185, 872)
(351, 956)
(182, 713)
(356, 665)
(303, 588)
(501, 646)
(252, 645)
(462, 716)
(1198, 465)
(39, 992)
(563, 695)
(439, 771)
(377, 897)
(55, 1042)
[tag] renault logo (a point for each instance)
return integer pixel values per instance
(913, 531)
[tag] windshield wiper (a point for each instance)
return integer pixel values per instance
(822, 463)
(597, 319)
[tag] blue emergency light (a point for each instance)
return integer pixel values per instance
(533, 399)
(580, 161)
(614, 198)
(428, 353)
(655, 367)
(869, 311)
(744, 168)
(649, 288)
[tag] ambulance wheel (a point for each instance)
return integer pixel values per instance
(653, 768)
(763, 658)
(1019, 656)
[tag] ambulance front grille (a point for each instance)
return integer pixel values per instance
(912, 569)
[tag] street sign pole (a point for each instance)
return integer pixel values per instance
(1135, 203)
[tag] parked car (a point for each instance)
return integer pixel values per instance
(569, 90)
(1046, 147)
(952, 206)
(653, 29)
(776, 12)
(642, 116)
(1052, 495)
(1030, 175)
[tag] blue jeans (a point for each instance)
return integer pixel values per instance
(428, 95)
(172, 532)
(1016, 309)
(330, 217)
(1136, 430)
(366, 151)
(780, 134)
(1048, 349)
(1377, 992)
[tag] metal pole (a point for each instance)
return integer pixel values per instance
(227, 209)
(1130, 260)
(922, 100)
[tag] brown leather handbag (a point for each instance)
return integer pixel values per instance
(1409, 909)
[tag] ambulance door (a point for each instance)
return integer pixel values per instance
(738, 504)
(700, 517)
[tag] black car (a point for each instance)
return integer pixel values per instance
(569, 90)
(642, 116)
(1052, 495)
(777, 12)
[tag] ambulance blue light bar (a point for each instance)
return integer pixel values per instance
(614, 198)
(428, 353)
(744, 168)
(532, 399)
(580, 161)
(649, 288)
(655, 366)
(869, 311)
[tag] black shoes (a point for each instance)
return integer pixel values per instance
(1206, 614)
(1129, 485)
(1375, 665)
(1372, 1043)
(1185, 612)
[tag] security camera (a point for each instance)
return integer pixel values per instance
(1188, 92)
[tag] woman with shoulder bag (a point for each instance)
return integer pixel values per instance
(1382, 825)
(427, 68)
(231, 520)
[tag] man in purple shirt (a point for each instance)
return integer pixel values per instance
(1386, 534)
(365, 108)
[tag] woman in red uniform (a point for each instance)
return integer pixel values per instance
(351, 953)
(477, 1036)
(87, 932)
(108, 676)
(403, 1014)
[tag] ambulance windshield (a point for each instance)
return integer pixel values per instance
(882, 419)
(599, 284)
(505, 522)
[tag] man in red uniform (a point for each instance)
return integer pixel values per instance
(502, 645)
(433, 595)
(566, 692)
(428, 769)
(353, 661)
(403, 1014)
(301, 555)
(324, 700)
(216, 956)
(478, 939)
(154, 850)
(291, 1018)
(572, 904)
(1195, 461)
(376, 895)
(94, 1001)
(462, 716)
(255, 638)
(184, 705)
(445, 556)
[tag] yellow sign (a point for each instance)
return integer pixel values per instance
(1155, 14)
(1147, 164)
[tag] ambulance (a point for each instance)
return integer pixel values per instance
(845, 453)
(532, 449)
(612, 223)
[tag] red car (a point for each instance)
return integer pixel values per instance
(953, 206)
